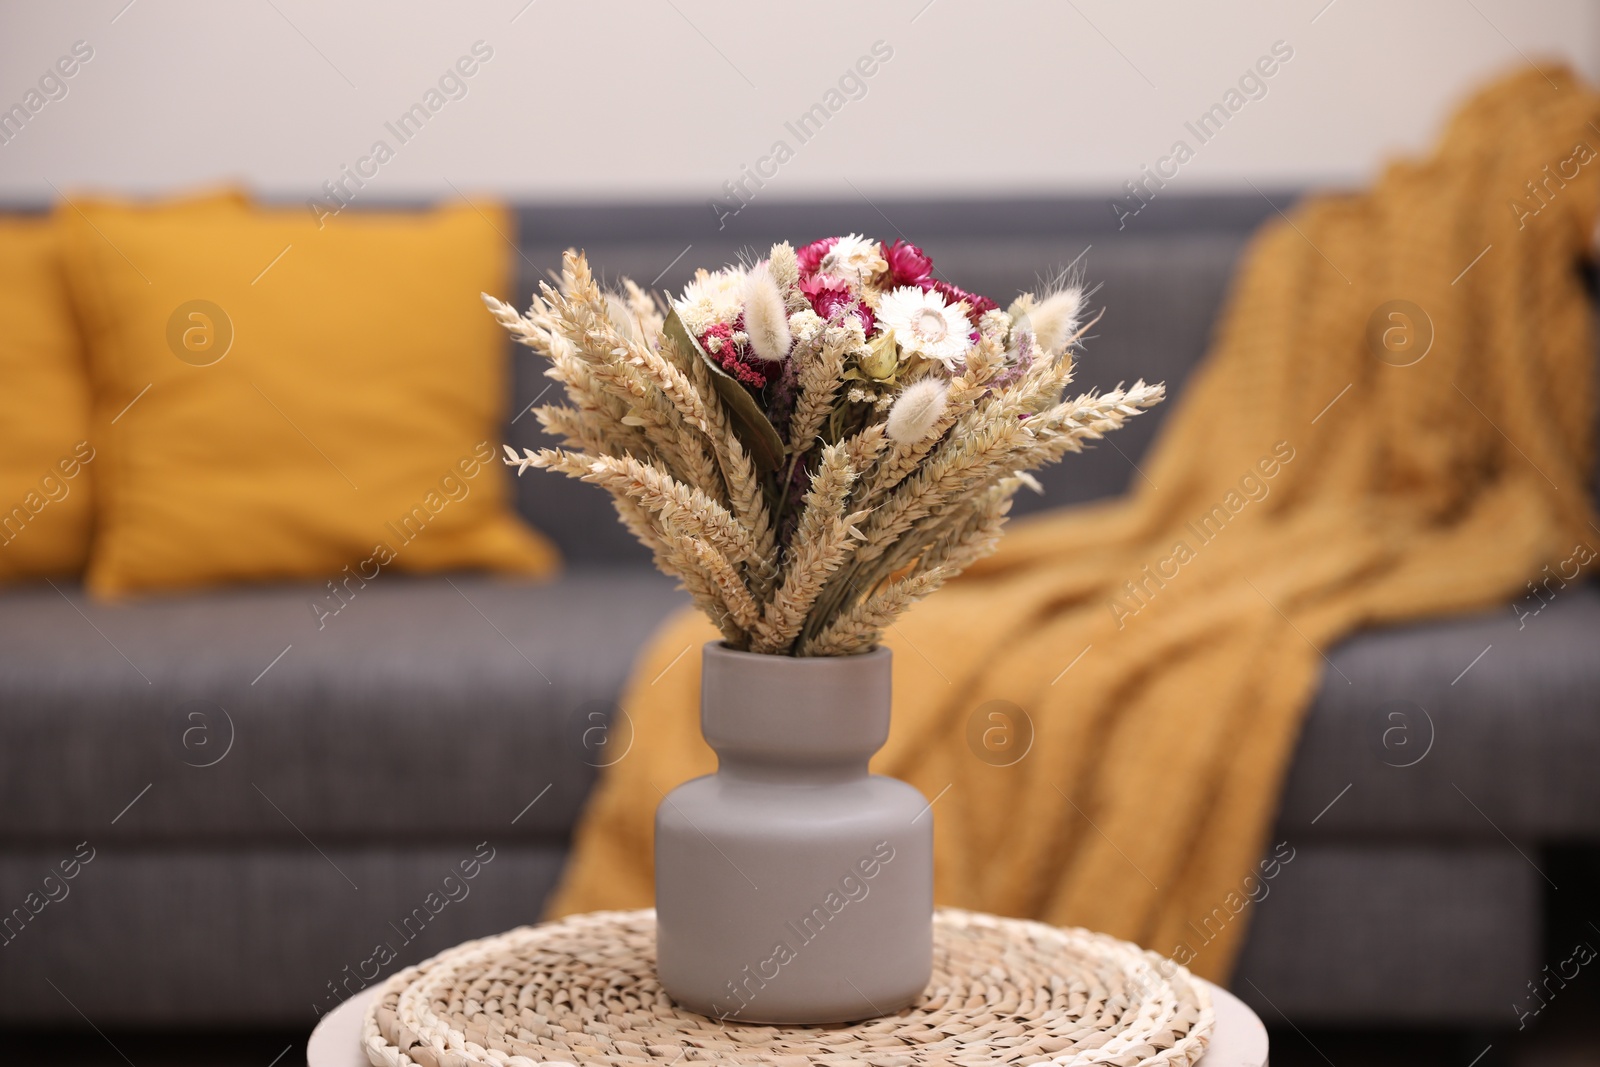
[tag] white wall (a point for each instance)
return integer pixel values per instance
(668, 98)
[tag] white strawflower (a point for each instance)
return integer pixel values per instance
(923, 323)
(712, 297)
(721, 288)
(916, 410)
(856, 259)
(1053, 320)
(766, 319)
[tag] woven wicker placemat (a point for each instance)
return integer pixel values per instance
(584, 991)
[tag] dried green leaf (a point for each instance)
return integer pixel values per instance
(755, 431)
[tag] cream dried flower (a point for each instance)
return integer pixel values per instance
(856, 259)
(995, 323)
(923, 323)
(1053, 320)
(711, 297)
(766, 317)
(917, 410)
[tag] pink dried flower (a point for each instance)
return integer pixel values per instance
(810, 257)
(737, 359)
(908, 264)
(746, 372)
(716, 338)
(832, 299)
(976, 305)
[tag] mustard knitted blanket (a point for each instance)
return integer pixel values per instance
(1393, 423)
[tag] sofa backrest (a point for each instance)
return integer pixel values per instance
(1162, 277)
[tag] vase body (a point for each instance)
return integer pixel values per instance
(792, 886)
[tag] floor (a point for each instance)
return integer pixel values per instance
(1562, 1036)
(1559, 1041)
(1568, 1045)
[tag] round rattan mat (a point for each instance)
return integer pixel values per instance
(584, 991)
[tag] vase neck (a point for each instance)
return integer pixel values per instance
(816, 719)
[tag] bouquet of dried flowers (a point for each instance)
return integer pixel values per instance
(814, 441)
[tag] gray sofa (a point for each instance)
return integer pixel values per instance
(250, 806)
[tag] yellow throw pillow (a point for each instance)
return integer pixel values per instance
(45, 454)
(279, 399)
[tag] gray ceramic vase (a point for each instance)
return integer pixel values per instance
(792, 886)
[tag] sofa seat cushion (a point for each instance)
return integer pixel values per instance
(427, 706)
(1438, 933)
(443, 706)
(182, 937)
(1479, 726)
